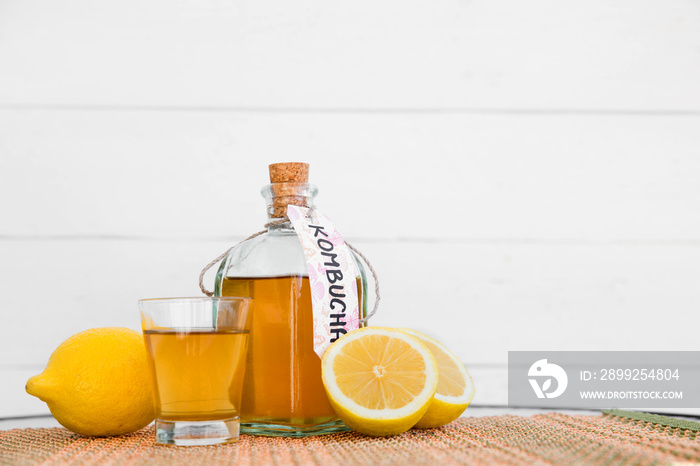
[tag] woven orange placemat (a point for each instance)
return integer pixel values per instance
(541, 439)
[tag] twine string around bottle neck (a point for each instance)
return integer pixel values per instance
(280, 222)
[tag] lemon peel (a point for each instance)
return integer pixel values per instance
(455, 390)
(96, 383)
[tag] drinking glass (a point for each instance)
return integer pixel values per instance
(197, 353)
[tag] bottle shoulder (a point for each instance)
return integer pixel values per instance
(270, 255)
(265, 255)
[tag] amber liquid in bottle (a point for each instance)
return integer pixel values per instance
(283, 373)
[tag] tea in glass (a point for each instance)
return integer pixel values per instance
(197, 353)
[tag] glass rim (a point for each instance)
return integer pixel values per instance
(198, 298)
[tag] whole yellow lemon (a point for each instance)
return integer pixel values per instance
(96, 383)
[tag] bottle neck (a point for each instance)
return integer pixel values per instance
(280, 195)
(284, 226)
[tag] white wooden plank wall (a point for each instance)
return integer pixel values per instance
(523, 175)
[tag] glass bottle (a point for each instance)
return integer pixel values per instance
(283, 394)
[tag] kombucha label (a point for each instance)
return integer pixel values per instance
(332, 276)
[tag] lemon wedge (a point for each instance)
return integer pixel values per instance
(455, 389)
(379, 381)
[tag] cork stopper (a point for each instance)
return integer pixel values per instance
(289, 185)
(289, 172)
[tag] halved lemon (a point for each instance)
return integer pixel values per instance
(379, 381)
(455, 389)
